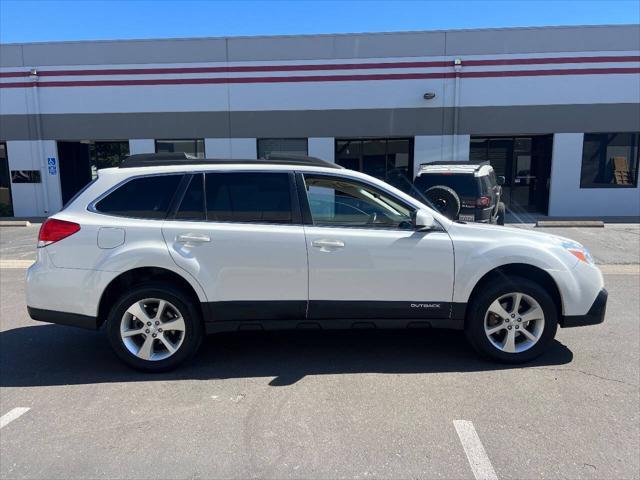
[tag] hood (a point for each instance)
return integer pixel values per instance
(497, 231)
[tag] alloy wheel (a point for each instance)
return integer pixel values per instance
(152, 329)
(514, 322)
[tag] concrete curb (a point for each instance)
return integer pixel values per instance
(570, 223)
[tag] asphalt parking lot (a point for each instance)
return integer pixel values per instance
(324, 405)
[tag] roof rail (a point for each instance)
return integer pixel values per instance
(477, 164)
(168, 159)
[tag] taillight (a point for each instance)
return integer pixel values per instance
(483, 202)
(54, 230)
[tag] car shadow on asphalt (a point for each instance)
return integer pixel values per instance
(47, 355)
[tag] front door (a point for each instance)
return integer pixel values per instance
(244, 242)
(365, 259)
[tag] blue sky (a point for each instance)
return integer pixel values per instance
(35, 21)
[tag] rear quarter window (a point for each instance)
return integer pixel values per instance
(144, 197)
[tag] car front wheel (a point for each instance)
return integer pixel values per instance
(154, 328)
(512, 321)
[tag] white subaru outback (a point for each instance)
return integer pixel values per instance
(164, 249)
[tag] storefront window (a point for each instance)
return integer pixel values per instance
(193, 147)
(107, 155)
(609, 160)
(268, 147)
(6, 209)
(390, 159)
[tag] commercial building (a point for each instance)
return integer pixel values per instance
(555, 110)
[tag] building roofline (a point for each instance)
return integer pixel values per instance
(320, 35)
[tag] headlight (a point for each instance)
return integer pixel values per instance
(578, 251)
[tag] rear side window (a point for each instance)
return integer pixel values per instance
(145, 197)
(248, 197)
(192, 205)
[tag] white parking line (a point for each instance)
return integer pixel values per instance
(9, 417)
(476, 454)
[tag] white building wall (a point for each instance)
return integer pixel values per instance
(567, 199)
(142, 145)
(217, 147)
(323, 148)
(244, 148)
(35, 199)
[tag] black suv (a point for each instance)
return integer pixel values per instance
(464, 191)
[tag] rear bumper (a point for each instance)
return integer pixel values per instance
(481, 215)
(63, 318)
(594, 316)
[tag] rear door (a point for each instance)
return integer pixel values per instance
(244, 243)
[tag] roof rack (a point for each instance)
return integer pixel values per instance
(168, 159)
(470, 163)
(479, 163)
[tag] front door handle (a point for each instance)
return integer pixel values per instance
(326, 245)
(193, 238)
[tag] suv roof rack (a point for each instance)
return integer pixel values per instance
(472, 166)
(167, 159)
(476, 164)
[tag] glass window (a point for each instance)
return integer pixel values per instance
(348, 153)
(193, 147)
(145, 197)
(107, 155)
(248, 197)
(339, 202)
(465, 185)
(6, 208)
(609, 160)
(192, 205)
(273, 146)
(389, 159)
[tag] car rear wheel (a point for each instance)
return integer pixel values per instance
(154, 328)
(512, 321)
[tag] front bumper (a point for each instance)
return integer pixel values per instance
(594, 316)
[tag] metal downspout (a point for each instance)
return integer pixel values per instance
(42, 163)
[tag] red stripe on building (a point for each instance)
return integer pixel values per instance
(321, 67)
(321, 78)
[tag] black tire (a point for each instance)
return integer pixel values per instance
(192, 336)
(445, 200)
(500, 214)
(475, 330)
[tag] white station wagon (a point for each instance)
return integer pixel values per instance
(164, 249)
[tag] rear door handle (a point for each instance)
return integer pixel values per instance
(193, 238)
(326, 245)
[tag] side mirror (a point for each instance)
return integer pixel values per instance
(500, 180)
(423, 220)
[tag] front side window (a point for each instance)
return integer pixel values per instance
(192, 147)
(249, 197)
(144, 197)
(609, 160)
(340, 202)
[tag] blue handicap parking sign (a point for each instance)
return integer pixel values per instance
(51, 161)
